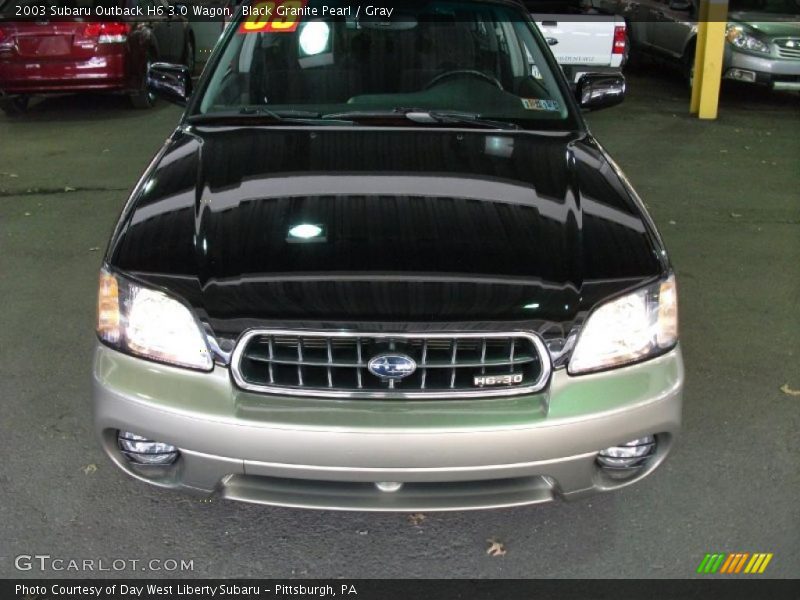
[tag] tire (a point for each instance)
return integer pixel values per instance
(15, 106)
(188, 55)
(143, 98)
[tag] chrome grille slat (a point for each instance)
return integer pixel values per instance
(300, 361)
(335, 363)
(518, 360)
(330, 360)
(311, 363)
(271, 354)
(788, 53)
(424, 362)
(453, 362)
(360, 360)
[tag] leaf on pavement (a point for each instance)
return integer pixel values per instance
(495, 548)
(789, 391)
(89, 469)
(416, 518)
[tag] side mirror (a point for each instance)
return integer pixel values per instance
(169, 81)
(682, 5)
(596, 90)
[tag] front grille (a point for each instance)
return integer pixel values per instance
(788, 47)
(336, 364)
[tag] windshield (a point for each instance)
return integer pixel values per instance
(436, 62)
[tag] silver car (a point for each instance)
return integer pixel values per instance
(762, 37)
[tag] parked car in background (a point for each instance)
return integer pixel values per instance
(78, 54)
(762, 38)
(582, 38)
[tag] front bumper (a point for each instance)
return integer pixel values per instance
(323, 453)
(777, 73)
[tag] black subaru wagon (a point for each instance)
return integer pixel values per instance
(381, 264)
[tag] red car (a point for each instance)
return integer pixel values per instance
(42, 54)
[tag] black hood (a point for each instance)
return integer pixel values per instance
(419, 225)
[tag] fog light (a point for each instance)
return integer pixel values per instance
(629, 455)
(741, 75)
(144, 451)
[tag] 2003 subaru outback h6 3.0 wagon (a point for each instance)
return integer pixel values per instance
(383, 265)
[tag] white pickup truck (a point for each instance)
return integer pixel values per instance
(583, 39)
(206, 32)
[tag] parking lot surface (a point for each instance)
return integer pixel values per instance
(726, 197)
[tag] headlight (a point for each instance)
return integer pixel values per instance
(628, 329)
(149, 323)
(737, 36)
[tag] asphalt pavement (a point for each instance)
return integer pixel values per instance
(726, 197)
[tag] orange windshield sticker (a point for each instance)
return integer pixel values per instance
(272, 16)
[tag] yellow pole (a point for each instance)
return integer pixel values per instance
(699, 55)
(709, 55)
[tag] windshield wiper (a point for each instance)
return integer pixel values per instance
(302, 117)
(457, 117)
(296, 117)
(421, 115)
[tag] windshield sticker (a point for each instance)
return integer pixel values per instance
(540, 104)
(273, 16)
(535, 72)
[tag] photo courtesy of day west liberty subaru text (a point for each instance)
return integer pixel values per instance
(163, 589)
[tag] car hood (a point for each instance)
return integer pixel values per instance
(419, 226)
(767, 23)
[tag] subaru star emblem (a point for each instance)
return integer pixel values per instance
(392, 366)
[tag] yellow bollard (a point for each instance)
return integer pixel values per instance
(710, 48)
(702, 22)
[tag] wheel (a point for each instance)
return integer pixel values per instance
(144, 98)
(461, 73)
(188, 55)
(14, 106)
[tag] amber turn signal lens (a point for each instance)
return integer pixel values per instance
(667, 331)
(108, 308)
